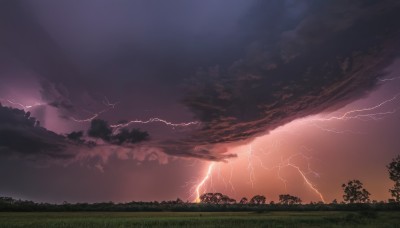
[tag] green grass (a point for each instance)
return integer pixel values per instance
(200, 219)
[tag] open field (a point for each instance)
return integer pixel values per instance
(200, 219)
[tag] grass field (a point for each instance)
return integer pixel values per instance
(200, 219)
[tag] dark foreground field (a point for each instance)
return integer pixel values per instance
(200, 219)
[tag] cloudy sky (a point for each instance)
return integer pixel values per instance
(246, 97)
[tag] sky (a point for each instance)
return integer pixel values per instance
(242, 97)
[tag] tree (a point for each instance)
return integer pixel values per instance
(258, 199)
(354, 192)
(243, 200)
(225, 199)
(217, 198)
(394, 175)
(206, 197)
(179, 201)
(100, 129)
(395, 191)
(289, 199)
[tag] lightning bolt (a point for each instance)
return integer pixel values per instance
(359, 113)
(308, 182)
(250, 166)
(154, 120)
(110, 106)
(94, 116)
(288, 163)
(136, 121)
(251, 158)
(200, 185)
(24, 107)
(336, 131)
(105, 102)
(363, 114)
(388, 79)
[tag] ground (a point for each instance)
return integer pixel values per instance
(200, 219)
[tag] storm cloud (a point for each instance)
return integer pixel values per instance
(22, 135)
(240, 68)
(293, 69)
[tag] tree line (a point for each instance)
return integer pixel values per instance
(10, 204)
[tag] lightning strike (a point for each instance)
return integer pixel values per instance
(155, 120)
(94, 116)
(336, 131)
(250, 166)
(352, 114)
(388, 79)
(280, 166)
(106, 102)
(110, 106)
(203, 181)
(24, 107)
(288, 163)
(311, 185)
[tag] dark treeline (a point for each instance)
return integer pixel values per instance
(9, 204)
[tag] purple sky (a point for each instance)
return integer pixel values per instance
(266, 75)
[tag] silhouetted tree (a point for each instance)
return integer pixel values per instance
(179, 201)
(354, 192)
(243, 200)
(258, 199)
(216, 198)
(289, 199)
(100, 129)
(206, 197)
(225, 199)
(394, 175)
(7, 200)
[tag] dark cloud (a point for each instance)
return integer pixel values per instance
(27, 46)
(130, 136)
(291, 69)
(75, 136)
(256, 64)
(101, 129)
(21, 135)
